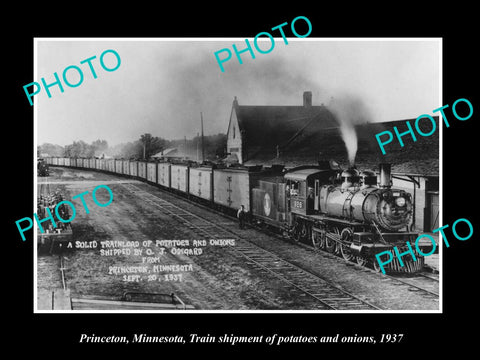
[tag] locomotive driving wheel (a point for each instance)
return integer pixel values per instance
(331, 245)
(346, 237)
(318, 240)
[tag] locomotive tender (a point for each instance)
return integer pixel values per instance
(344, 212)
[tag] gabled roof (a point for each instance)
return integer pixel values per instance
(272, 127)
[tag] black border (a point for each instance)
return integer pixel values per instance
(426, 332)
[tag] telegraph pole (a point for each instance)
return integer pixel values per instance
(198, 138)
(203, 146)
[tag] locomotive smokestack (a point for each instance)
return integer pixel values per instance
(385, 175)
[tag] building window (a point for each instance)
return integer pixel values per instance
(234, 131)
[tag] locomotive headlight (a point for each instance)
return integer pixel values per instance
(400, 201)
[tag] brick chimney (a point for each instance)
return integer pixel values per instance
(307, 98)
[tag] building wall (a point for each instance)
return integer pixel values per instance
(234, 139)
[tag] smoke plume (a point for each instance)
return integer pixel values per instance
(349, 110)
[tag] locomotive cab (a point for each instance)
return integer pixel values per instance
(303, 188)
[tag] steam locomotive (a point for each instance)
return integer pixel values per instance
(343, 212)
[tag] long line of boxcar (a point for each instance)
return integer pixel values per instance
(228, 188)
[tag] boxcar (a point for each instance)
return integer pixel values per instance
(66, 162)
(110, 165)
(232, 187)
(201, 182)
(85, 163)
(179, 178)
(54, 161)
(100, 164)
(163, 174)
(91, 163)
(126, 167)
(133, 168)
(142, 169)
(119, 166)
(152, 172)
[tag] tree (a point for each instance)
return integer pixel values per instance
(50, 149)
(99, 146)
(151, 145)
(79, 149)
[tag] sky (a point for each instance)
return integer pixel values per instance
(162, 85)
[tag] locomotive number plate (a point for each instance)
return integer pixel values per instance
(297, 204)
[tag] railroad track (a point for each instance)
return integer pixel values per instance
(321, 293)
(418, 283)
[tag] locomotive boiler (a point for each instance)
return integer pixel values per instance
(359, 199)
